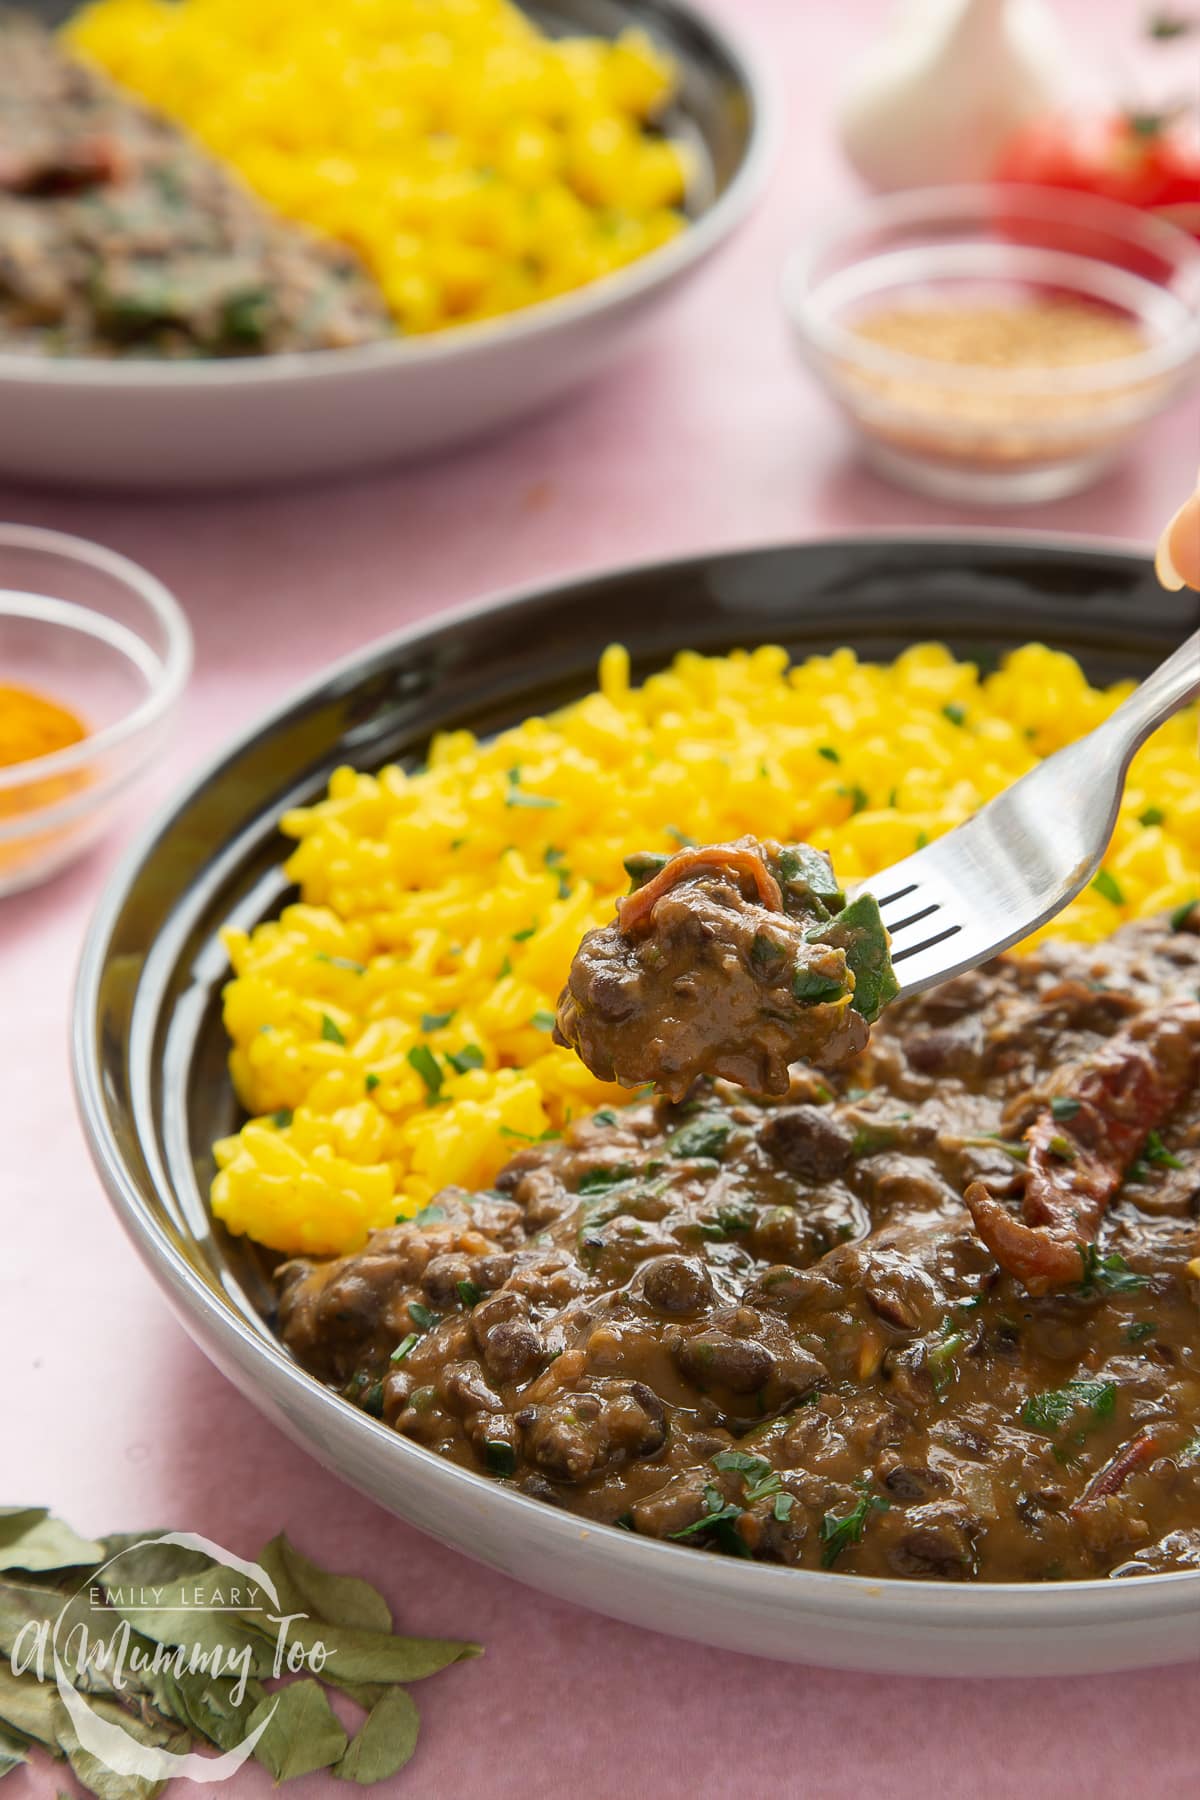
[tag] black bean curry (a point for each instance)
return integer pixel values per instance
(119, 236)
(855, 1329)
(734, 960)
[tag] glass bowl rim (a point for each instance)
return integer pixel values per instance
(974, 203)
(164, 692)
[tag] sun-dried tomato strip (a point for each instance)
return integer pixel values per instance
(1076, 1165)
(635, 909)
(1112, 1477)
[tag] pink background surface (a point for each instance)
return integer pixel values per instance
(707, 436)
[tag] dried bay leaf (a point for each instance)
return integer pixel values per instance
(384, 1743)
(338, 1599)
(304, 1733)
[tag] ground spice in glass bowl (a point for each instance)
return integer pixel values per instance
(1003, 356)
(94, 653)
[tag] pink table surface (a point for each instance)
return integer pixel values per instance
(707, 436)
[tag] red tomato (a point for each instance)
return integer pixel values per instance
(1138, 160)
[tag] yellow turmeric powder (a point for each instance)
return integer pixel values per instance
(31, 725)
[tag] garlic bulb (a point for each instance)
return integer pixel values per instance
(946, 85)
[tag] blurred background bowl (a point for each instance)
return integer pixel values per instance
(146, 424)
(1003, 434)
(95, 633)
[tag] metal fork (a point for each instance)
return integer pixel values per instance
(1028, 852)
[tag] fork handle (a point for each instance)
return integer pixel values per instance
(1172, 685)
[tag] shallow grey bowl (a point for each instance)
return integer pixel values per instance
(229, 422)
(150, 1055)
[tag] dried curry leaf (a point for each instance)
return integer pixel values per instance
(147, 1562)
(249, 1638)
(384, 1743)
(12, 1755)
(27, 1707)
(204, 1704)
(338, 1599)
(373, 1656)
(102, 1781)
(24, 1603)
(37, 1543)
(304, 1733)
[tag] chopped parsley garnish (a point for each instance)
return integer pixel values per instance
(1048, 1412)
(642, 865)
(430, 1215)
(956, 714)
(1182, 914)
(428, 1068)
(829, 753)
(606, 1116)
(422, 1317)
(1141, 1328)
(1156, 1152)
(1152, 815)
(857, 796)
(1190, 1453)
(405, 1345)
(705, 1136)
(535, 802)
(282, 1119)
(469, 1057)
(504, 969)
(718, 1517)
(542, 1020)
(838, 1534)
(521, 937)
(468, 1293)
(1109, 1274)
(342, 962)
(1109, 886)
(1062, 1107)
(500, 1457)
(329, 1031)
(740, 1462)
(1062, 1147)
(371, 1083)
(680, 837)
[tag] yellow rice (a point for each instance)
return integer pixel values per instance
(463, 889)
(473, 163)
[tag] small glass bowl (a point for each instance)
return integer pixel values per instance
(88, 629)
(996, 434)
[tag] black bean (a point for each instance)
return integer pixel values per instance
(714, 1360)
(808, 1141)
(677, 1284)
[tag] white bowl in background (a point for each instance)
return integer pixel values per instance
(229, 422)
